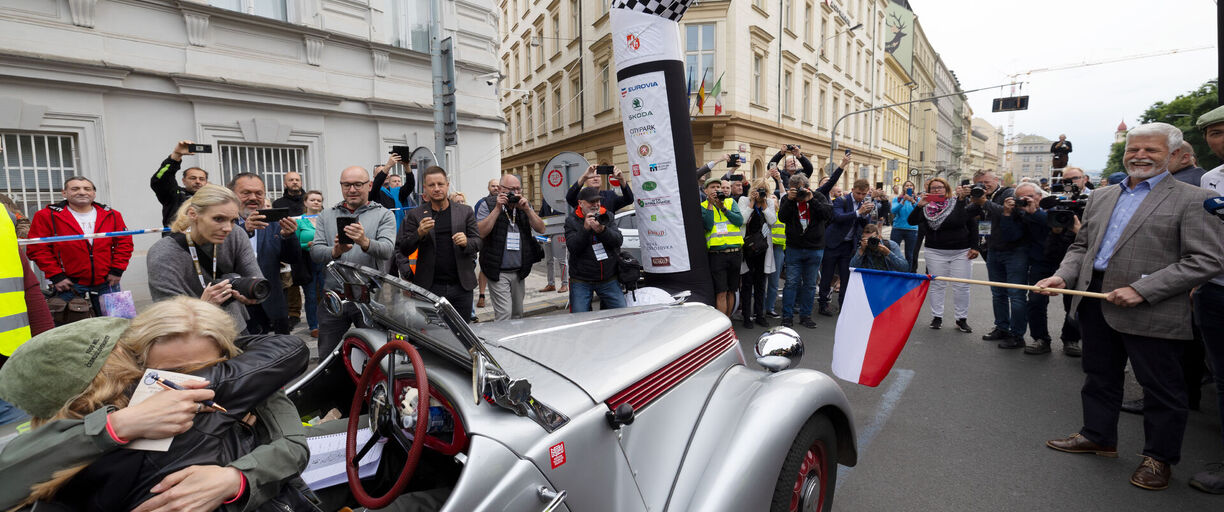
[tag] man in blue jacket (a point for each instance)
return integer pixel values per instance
(274, 243)
(850, 214)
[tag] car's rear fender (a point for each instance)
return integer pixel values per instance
(733, 460)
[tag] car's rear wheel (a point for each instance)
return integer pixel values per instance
(809, 471)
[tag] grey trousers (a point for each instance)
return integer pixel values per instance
(507, 295)
(556, 256)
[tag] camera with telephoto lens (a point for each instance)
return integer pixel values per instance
(254, 288)
(977, 191)
(873, 242)
(1061, 211)
(512, 200)
(1023, 202)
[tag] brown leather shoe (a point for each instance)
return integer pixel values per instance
(1080, 444)
(314, 333)
(548, 288)
(1152, 475)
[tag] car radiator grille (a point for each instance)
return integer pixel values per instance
(651, 387)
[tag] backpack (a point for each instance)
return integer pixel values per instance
(755, 243)
(628, 271)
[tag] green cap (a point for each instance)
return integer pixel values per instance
(712, 180)
(43, 374)
(1210, 118)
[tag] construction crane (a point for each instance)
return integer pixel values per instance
(1013, 78)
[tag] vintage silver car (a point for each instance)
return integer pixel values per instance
(650, 408)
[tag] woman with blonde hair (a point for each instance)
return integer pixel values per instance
(213, 457)
(951, 239)
(203, 246)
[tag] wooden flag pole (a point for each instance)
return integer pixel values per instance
(1081, 293)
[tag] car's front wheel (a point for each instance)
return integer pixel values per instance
(809, 471)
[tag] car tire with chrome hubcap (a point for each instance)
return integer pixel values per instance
(809, 471)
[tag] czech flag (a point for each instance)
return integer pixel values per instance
(875, 321)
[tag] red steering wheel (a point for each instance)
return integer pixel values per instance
(385, 422)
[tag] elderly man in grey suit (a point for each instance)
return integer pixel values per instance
(1145, 243)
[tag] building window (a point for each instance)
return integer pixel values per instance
(757, 76)
(33, 168)
(576, 20)
(538, 42)
(820, 105)
(410, 25)
(575, 99)
(807, 22)
(823, 22)
(269, 162)
(556, 107)
(699, 55)
(605, 86)
(274, 9)
(556, 32)
(529, 119)
(807, 101)
(786, 93)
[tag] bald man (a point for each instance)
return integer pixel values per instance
(371, 243)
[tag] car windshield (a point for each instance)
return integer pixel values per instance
(411, 310)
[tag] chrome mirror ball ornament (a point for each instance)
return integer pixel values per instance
(332, 303)
(779, 348)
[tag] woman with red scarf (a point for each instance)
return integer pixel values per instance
(951, 239)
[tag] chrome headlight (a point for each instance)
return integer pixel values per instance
(779, 348)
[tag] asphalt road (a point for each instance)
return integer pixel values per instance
(960, 425)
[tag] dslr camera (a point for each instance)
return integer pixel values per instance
(722, 196)
(873, 242)
(1022, 202)
(1061, 211)
(512, 200)
(255, 288)
(792, 147)
(978, 191)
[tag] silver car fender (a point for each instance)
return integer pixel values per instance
(734, 458)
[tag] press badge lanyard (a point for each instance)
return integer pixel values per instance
(195, 258)
(516, 243)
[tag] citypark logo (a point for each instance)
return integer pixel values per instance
(637, 104)
(637, 170)
(649, 185)
(647, 129)
(644, 150)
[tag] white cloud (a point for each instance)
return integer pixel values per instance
(985, 41)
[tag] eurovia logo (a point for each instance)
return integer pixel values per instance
(637, 104)
(649, 185)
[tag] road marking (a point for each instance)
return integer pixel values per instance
(888, 402)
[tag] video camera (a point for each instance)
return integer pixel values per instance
(255, 288)
(1062, 211)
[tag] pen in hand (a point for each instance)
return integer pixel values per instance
(153, 377)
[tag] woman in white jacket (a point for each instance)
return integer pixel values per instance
(760, 210)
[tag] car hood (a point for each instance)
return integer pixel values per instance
(604, 352)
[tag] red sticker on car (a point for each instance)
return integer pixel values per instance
(557, 455)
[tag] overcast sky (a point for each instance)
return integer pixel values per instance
(984, 42)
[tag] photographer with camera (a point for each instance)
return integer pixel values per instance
(806, 214)
(1061, 149)
(794, 161)
(594, 245)
(760, 215)
(274, 244)
(356, 230)
(170, 194)
(723, 221)
(950, 236)
(902, 229)
(509, 247)
(1006, 260)
(877, 253)
(205, 256)
(850, 214)
(609, 199)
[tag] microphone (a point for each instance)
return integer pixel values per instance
(1215, 206)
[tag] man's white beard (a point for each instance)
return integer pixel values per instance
(1143, 175)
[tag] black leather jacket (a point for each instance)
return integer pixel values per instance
(121, 479)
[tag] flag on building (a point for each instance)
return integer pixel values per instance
(875, 321)
(701, 95)
(715, 93)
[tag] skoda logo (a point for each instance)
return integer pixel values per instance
(649, 185)
(637, 104)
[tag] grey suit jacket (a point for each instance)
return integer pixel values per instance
(1169, 246)
(463, 220)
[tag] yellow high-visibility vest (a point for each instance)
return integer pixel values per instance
(14, 324)
(778, 235)
(724, 234)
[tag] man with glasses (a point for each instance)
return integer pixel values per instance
(370, 241)
(509, 247)
(1075, 176)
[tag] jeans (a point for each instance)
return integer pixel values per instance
(610, 295)
(910, 237)
(458, 297)
(801, 268)
(11, 414)
(95, 291)
(771, 285)
(313, 291)
(1208, 302)
(1010, 308)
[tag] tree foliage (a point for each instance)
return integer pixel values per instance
(1115, 159)
(1182, 112)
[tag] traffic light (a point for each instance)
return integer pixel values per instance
(1010, 104)
(450, 115)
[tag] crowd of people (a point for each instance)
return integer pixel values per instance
(236, 272)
